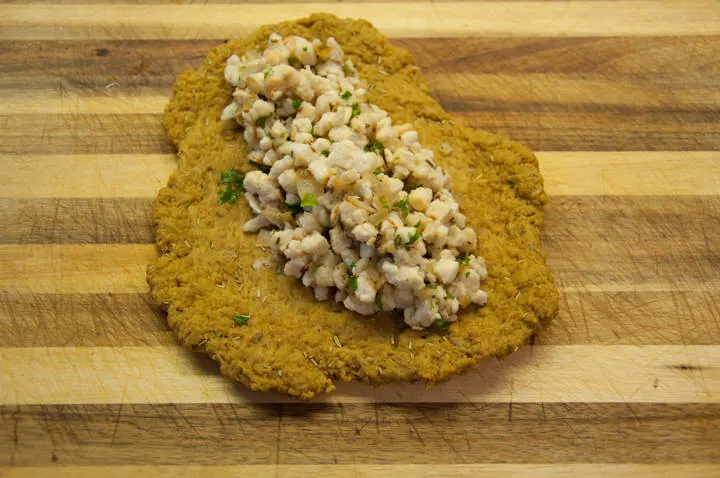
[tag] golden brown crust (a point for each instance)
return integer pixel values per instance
(204, 275)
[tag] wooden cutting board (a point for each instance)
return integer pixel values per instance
(621, 101)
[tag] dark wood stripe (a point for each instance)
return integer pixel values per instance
(223, 434)
(541, 131)
(635, 318)
(82, 134)
(596, 55)
(685, 221)
(634, 219)
(578, 130)
(646, 54)
(592, 318)
(81, 320)
(76, 221)
(624, 86)
(104, 59)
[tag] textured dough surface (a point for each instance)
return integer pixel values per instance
(205, 276)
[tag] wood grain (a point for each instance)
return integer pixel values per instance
(676, 251)
(575, 129)
(137, 61)
(547, 71)
(562, 374)
(57, 101)
(565, 174)
(67, 269)
(71, 320)
(460, 92)
(86, 176)
(373, 470)
(385, 434)
(82, 134)
(584, 18)
(76, 221)
(615, 219)
(586, 318)
(620, 98)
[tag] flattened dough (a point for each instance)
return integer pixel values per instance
(292, 343)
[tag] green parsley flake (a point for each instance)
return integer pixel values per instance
(355, 110)
(294, 208)
(346, 95)
(234, 186)
(296, 104)
(325, 153)
(228, 195)
(376, 147)
(262, 167)
(261, 121)
(378, 300)
(230, 176)
(267, 73)
(403, 206)
(353, 282)
(442, 325)
(308, 200)
(412, 238)
(241, 319)
(431, 286)
(465, 260)
(377, 171)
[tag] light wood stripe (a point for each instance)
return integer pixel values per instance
(68, 269)
(624, 374)
(19, 102)
(490, 470)
(582, 18)
(86, 176)
(631, 173)
(565, 173)
(246, 2)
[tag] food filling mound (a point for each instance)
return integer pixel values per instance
(310, 234)
(351, 204)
